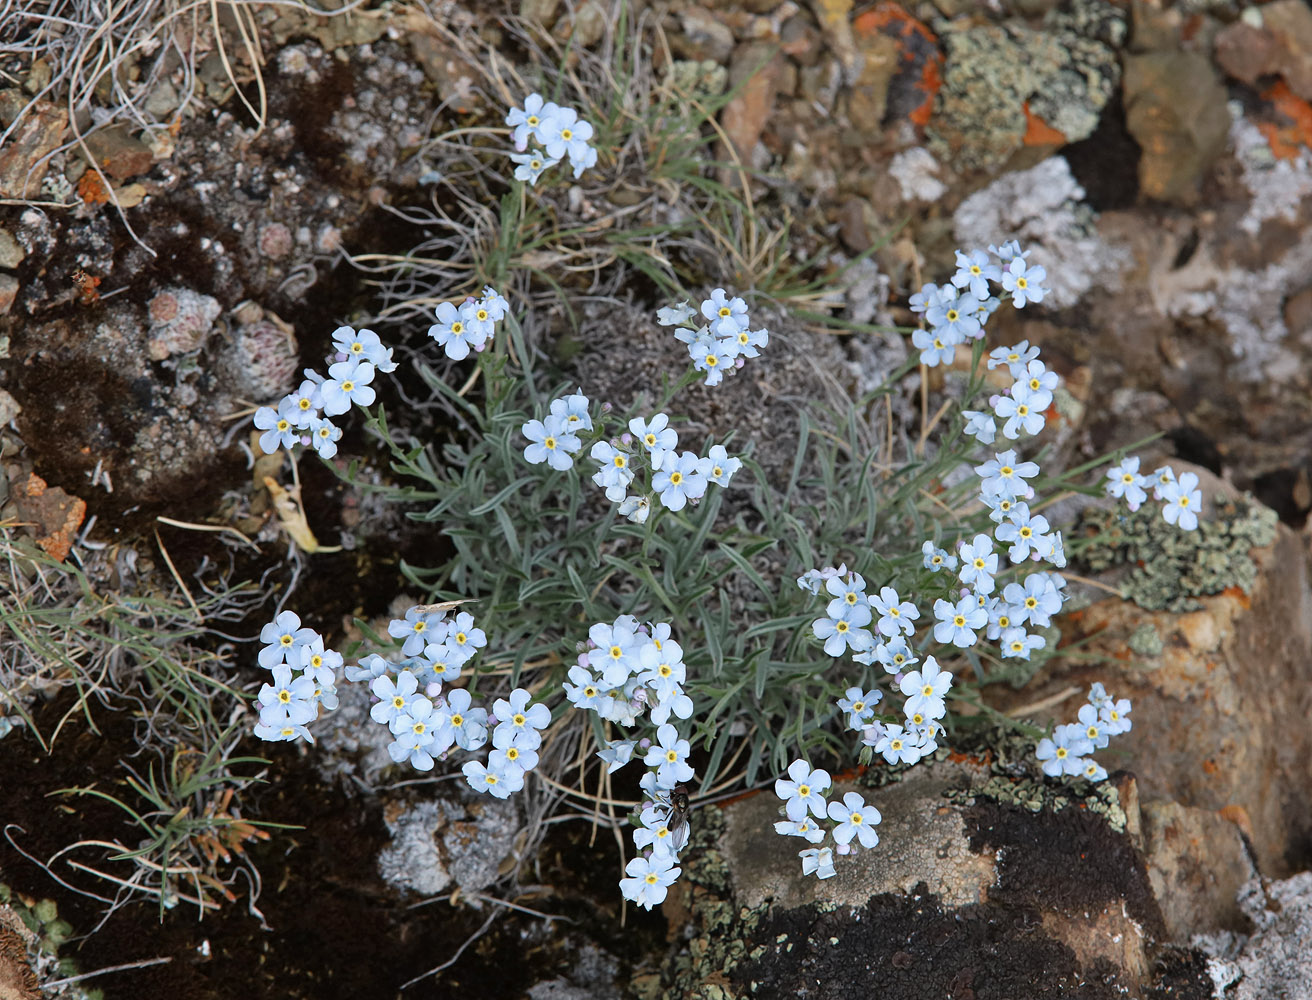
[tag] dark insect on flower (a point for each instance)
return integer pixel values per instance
(678, 824)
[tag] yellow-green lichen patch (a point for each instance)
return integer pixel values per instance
(1169, 568)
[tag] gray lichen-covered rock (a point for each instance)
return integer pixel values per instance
(1276, 959)
(438, 842)
(1221, 709)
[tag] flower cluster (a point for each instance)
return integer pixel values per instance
(302, 416)
(1181, 498)
(558, 131)
(805, 809)
(723, 341)
(469, 326)
(629, 669)
(1066, 753)
(304, 679)
(957, 311)
(676, 477)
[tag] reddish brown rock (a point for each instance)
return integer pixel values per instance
(53, 515)
(119, 155)
(756, 66)
(22, 160)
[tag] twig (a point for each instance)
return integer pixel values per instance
(190, 526)
(459, 951)
(162, 960)
(1042, 703)
(178, 577)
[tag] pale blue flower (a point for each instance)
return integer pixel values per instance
(283, 637)
(812, 832)
(718, 466)
(895, 655)
(1009, 251)
(501, 783)
(1124, 480)
(614, 474)
(925, 690)
(925, 299)
(618, 650)
(1115, 716)
(414, 748)
(1025, 531)
(550, 441)
(573, 409)
(287, 700)
(1023, 410)
(649, 880)
(528, 121)
(324, 435)
(803, 790)
(980, 426)
(517, 714)
(844, 629)
(495, 303)
(347, 384)
(1024, 283)
(848, 589)
(818, 861)
(1094, 729)
(710, 356)
(363, 345)
(1036, 376)
(478, 321)
(514, 748)
(1015, 358)
(1182, 501)
(370, 666)
(855, 820)
(679, 480)
(934, 348)
(460, 723)
(979, 564)
(662, 667)
(394, 696)
(896, 615)
(617, 753)
(748, 343)
(898, 746)
(1063, 754)
(859, 706)
(953, 316)
(306, 402)
(725, 315)
(936, 559)
(675, 702)
(452, 333)
(675, 315)
(582, 688)
(669, 756)
(1018, 643)
(463, 637)
(1006, 476)
(564, 134)
(655, 832)
(1093, 771)
(636, 509)
(279, 426)
(531, 166)
(418, 628)
(957, 622)
(974, 271)
(656, 435)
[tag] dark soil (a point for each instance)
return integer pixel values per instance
(332, 929)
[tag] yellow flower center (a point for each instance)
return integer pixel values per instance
(348, 386)
(357, 347)
(284, 425)
(481, 314)
(1006, 471)
(457, 720)
(895, 744)
(725, 311)
(620, 461)
(285, 639)
(457, 327)
(549, 443)
(398, 701)
(712, 360)
(841, 627)
(858, 706)
(532, 120)
(303, 403)
(518, 719)
(959, 620)
(567, 134)
(676, 478)
(803, 790)
(461, 638)
(671, 756)
(512, 754)
(284, 696)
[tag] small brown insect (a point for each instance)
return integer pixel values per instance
(678, 824)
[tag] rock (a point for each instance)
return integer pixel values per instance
(8, 293)
(439, 842)
(23, 158)
(9, 408)
(1246, 52)
(180, 322)
(541, 12)
(1222, 704)
(835, 21)
(583, 24)
(119, 155)
(866, 104)
(754, 69)
(1277, 960)
(1175, 109)
(963, 895)
(11, 252)
(1197, 863)
(702, 37)
(54, 515)
(1290, 25)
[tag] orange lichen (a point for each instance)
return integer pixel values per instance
(1288, 140)
(92, 190)
(1038, 132)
